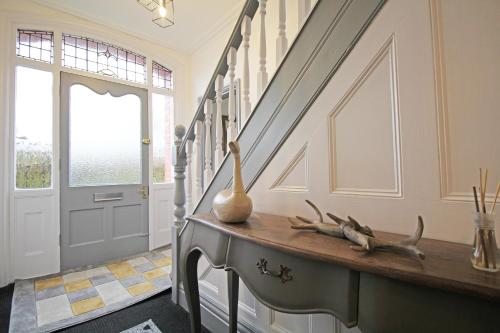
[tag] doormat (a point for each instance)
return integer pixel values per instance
(61, 300)
(146, 327)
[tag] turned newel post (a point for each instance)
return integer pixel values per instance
(281, 41)
(246, 28)
(179, 162)
(262, 74)
(179, 170)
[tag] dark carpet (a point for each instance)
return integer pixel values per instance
(5, 303)
(169, 318)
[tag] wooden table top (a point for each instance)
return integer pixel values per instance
(446, 266)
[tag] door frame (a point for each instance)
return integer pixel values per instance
(13, 263)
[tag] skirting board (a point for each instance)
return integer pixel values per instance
(216, 319)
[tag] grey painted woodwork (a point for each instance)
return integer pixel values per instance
(330, 32)
(104, 222)
(315, 287)
(375, 303)
(391, 306)
(179, 161)
(334, 289)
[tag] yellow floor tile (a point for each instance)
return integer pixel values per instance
(155, 273)
(122, 270)
(78, 285)
(140, 288)
(87, 305)
(163, 262)
(48, 283)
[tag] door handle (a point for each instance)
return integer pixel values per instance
(145, 191)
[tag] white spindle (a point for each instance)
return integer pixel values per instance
(304, 9)
(189, 176)
(231, 126)
(281, 41)
(262, 74)
(219, 152)
(207, 176)
(246, 29)
(198, 162)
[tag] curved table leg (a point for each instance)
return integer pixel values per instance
(190, 281)
(233, 283)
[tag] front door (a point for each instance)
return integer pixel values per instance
(104, 171)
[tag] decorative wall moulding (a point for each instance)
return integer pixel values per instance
(365, 157)
(456, 162)
(294, 178)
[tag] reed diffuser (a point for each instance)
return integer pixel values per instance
(484, 250)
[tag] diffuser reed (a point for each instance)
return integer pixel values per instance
(484, 252)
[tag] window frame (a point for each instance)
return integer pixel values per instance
(56, 68)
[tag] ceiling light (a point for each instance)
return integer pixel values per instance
(162, 10)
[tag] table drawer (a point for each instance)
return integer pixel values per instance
(295, 284)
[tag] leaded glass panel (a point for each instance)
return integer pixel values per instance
(102, 58)
(35, 44)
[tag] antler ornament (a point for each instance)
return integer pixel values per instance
(362, 236)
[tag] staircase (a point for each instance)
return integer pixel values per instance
(328, 32)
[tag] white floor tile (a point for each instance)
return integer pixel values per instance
(73, 277)
(53, 309)
(97, 272)
(138, 261)
(112, 292)
(167, 269)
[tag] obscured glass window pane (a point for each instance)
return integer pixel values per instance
(102, 58)
(33, 128)
(105, 138)
(162, 76)
(163, 129)
(35, 44)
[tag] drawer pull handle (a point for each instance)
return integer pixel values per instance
(284, 273)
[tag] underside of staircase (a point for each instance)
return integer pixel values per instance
(325, 39)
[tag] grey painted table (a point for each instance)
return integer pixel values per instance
(303, 272)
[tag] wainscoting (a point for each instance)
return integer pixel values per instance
(400, 130)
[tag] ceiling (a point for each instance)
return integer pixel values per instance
(195, 20)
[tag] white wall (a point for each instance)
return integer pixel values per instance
(401, 130)
(25, 13)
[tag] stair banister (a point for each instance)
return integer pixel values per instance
(235, 39)
(231, 126)
(262, 77)
(219, 152)
(281, 41)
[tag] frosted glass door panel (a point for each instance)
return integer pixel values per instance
(105, 138)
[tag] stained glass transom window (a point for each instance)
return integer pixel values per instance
(162, 76)
(35, 44)
(102, 58)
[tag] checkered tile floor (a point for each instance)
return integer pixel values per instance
(70, 295)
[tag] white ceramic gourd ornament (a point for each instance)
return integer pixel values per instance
(233, 205)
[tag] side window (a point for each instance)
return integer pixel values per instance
(163, 129)
(33, 128)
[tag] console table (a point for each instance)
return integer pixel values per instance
(305, 272)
